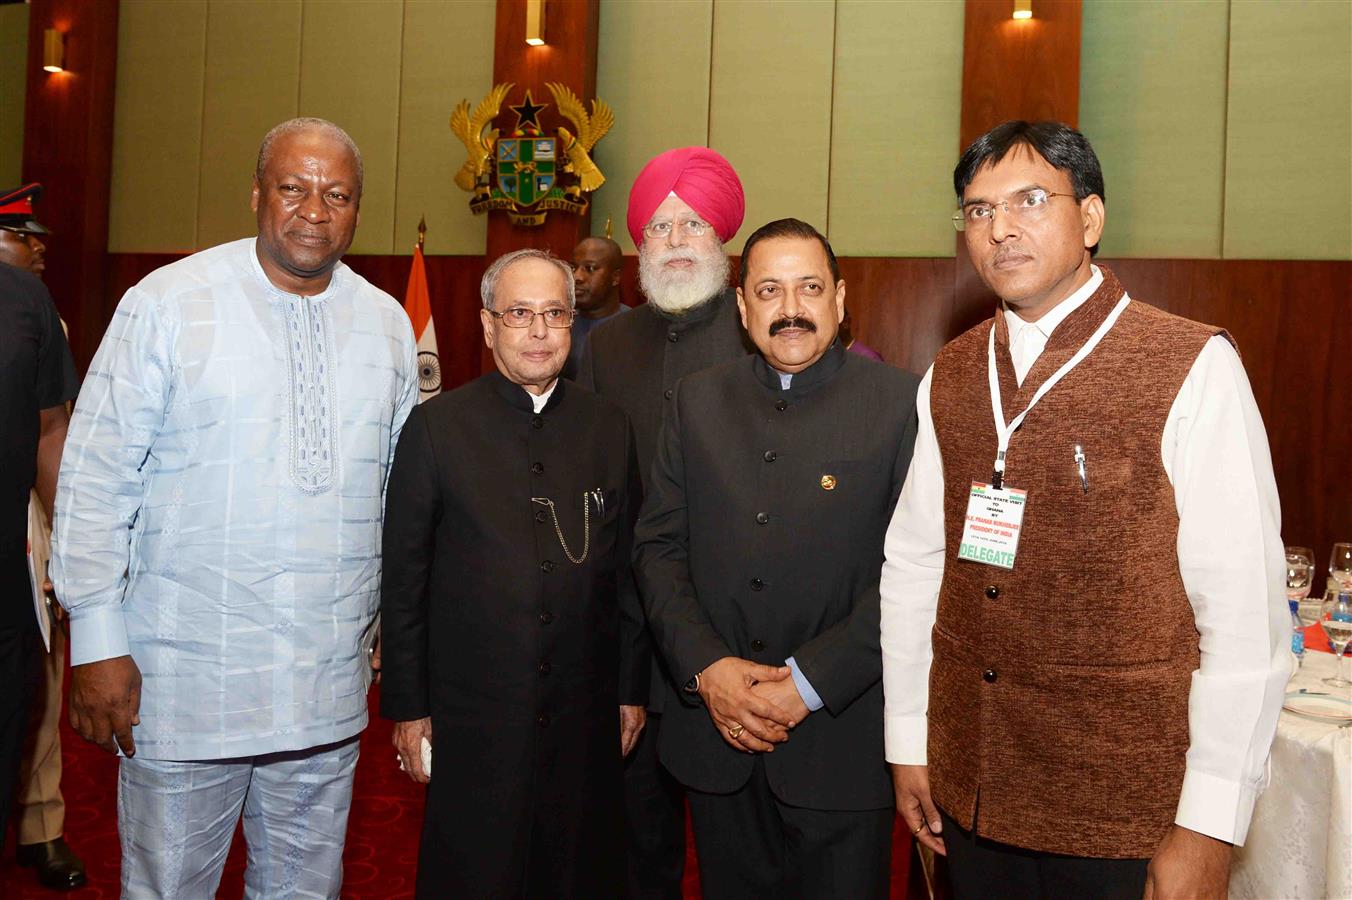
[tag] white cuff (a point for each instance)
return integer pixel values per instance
(1216, 807)
(904, 739)
(97, 634)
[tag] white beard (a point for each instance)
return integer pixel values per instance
(677, 291)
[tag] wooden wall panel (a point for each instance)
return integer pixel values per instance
(252, 74)
(157, 133)
(1162, 146)
(661, 101)
(68, 146)
(1288, 317)
(432, 81)
(356, 87)
(13, 82)
(770, 107)
(1024, 69)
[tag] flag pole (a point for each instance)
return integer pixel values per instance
(422, 231)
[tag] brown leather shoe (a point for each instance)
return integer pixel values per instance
(59, 869)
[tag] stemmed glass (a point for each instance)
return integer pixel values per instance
(1337, 624)
(1299, 572)
(1340, 565)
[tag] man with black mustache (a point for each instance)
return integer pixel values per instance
(758, 553)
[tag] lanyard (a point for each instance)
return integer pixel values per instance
(1002, 431)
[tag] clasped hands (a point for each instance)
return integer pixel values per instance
(753, 706)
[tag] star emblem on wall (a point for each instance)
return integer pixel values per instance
(528, 113)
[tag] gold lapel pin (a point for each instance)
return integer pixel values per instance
(828, 482)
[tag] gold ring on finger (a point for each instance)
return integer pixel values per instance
(736, 731)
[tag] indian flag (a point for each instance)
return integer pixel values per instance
(418, 305)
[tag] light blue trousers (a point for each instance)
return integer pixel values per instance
(176, 821)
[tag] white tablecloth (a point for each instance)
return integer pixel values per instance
(1300, 841)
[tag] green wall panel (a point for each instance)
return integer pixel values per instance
(433, 82)
(157, 133)
(355, 83)
(895, 127)
(13, 79)
(1288, 189)
(661, 99)
(252, 83)
(770, 106)
(1152, 102)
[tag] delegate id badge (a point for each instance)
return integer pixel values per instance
(991, 533)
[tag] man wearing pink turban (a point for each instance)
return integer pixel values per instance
(683, 207)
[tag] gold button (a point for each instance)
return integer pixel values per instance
(828, 482)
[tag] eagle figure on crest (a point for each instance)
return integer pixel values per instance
(478, 145)
(590, 129)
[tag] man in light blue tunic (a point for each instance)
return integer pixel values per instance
(218, 534)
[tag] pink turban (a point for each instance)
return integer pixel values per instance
(699, 176)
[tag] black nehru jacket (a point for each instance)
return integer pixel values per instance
(636, 359)
(762, 538)
(520, 656)
(36, 373)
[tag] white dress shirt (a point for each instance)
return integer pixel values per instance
(1215, 452)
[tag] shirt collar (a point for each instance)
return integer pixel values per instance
(827, 365)
(521, 399)
(335, 281)
(1057, 314)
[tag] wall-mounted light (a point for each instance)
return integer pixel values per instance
(53, 51)
(535, 23)
(1023, 9)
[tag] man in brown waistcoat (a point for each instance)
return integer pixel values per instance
(1084, 567)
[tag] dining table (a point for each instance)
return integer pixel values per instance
(1299, 845)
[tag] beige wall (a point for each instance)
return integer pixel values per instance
(1225, 128)
(13, 65)
(844, 114)
(200, 81)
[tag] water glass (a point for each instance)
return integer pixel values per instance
(1337, 624)
(1340, 565)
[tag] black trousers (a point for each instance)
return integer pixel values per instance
(979, 869)
(19, 673)
(654, 809)
(753, 847)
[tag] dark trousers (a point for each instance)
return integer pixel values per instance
(19, 671)
(753, 847)
(654, 809)
(979, 869)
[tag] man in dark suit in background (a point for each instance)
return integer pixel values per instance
(758, 554)
(683, 206)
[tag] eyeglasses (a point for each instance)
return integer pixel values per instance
(522, 317)
(1025, 206)
(691, 228)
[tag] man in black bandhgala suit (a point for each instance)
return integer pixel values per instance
(512, 637)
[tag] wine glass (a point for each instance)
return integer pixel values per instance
(1304, 552)
(1337, 624)
(1340, 565)
(1299, 574)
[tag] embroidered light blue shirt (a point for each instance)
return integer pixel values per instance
(220, 503)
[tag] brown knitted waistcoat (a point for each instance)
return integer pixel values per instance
(1058, 715)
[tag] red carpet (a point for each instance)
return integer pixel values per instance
(382, 840)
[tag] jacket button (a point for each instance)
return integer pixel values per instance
(668, 393)
(992, 591)
(544, 668)
(757, 645)
(537, 421)
(762, 518)
(537, 468)
(541, 515)
(673, 336)
(546, 618)
(781, 405)
(757, 584)
(547, 566)
(543, 721)
(989, 676)
(771, 456)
